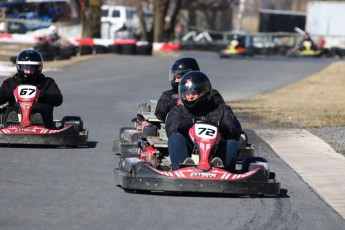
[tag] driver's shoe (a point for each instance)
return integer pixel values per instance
(217, 162)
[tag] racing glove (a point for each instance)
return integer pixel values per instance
(185, 125)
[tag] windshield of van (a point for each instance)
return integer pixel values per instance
(130, 13)
(105, 12)
(116, 14)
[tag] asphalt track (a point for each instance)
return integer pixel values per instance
(49, 188)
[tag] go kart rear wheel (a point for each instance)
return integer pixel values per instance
(122, 131)
(249, 160)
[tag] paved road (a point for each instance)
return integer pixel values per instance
(46, 188)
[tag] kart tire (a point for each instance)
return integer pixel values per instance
(75, 121)
(114, 49)
(85, 50)
(99, 49)
(70, 51)
(121, 132)
(128, 49)
(66, 53)
(13, 59)
(144, 49)
(248, 160)
(47, 56)
(126, 150)
(144, 107)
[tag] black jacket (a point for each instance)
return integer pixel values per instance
(230, 126)
(49, 91)
(169, 99)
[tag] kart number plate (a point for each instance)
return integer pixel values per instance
(27, 91)
(205, 131)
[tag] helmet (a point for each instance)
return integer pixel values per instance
(235, 37)
(29, 63)
(197, 83)
(180, 67)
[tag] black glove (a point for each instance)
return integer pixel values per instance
(184, 125)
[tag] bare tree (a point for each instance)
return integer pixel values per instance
(159, 14)
(90, 17)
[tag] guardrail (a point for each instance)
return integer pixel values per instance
(267, 43)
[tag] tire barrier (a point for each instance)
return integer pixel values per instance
(87, 46)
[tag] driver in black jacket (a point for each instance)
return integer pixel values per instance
(170, 97)
(195, 91)
(29, 65)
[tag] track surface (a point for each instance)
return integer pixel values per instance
(47, 188)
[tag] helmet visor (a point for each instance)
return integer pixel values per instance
(32, 68)
(192, 91)
(176, 74)
(29, 67)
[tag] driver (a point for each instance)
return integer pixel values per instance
(195, 91)
(29, 65)
(307, 43)
(169, 98)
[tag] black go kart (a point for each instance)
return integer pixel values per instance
(25, 129)
(143, 165)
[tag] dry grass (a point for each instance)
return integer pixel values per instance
(316, 101)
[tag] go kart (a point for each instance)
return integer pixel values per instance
(149, 167)
(306, 51)
(27, 130)
(130, 137)
(234, 50)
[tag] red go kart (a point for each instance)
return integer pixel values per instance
(203, 172)
(66, 132)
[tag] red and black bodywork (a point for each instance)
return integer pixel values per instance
(66, 132)
(203, 172)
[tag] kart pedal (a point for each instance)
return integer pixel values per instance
(188, 162)
(217, 162)
(37, 119)
(12, 119)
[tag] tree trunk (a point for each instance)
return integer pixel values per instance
(142, 21)
(90, 17)
(158, 20)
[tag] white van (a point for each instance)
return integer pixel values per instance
(121, 22)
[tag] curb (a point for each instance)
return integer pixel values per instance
(305, 153)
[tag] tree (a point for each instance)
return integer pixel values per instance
(159, 14)
(90, 17)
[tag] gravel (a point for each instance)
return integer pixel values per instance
(334, 136)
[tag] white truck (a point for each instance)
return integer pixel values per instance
(122, 22)
(325, 20)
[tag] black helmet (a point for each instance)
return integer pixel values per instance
(195, 82)
(31, 61)
(180, 67)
